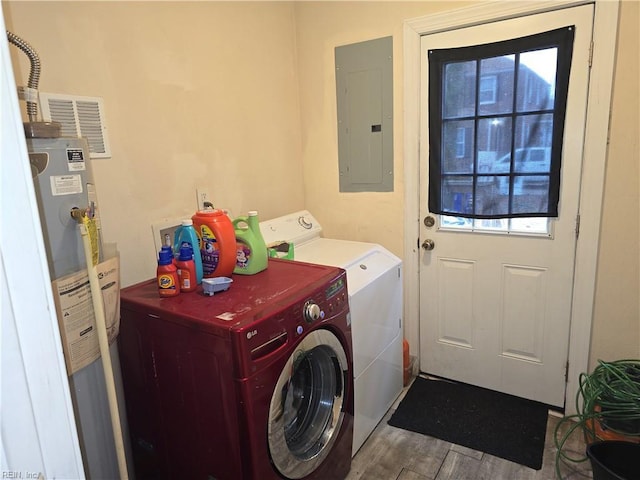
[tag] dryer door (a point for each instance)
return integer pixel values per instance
(306, 410)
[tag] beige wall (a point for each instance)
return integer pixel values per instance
(240, 97)
(616, 326)
(196, 94)
(322, 26)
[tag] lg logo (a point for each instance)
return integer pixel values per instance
(251, 334)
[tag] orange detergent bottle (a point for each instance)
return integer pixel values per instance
(167, 274)
(217, 242)
(186, 270)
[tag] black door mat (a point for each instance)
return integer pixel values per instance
(502, 425)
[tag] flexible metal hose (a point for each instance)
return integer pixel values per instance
(34, 72)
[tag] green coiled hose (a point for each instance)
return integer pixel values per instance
(610, 397)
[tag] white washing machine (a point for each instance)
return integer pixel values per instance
(374, 283)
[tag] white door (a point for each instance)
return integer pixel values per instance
(495, 295)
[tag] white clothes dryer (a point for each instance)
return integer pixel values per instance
(374, 284)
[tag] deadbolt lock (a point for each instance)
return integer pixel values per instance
(429, 221)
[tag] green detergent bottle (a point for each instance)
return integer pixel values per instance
(251, 251)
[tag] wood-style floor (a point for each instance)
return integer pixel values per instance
(391, 453)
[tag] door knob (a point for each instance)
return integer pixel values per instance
(428, 244)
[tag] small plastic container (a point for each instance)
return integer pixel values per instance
(186, 270)
(211, 286)
(406, 362)
(282, 250)
(167, 274)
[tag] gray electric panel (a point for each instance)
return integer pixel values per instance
(364, 90)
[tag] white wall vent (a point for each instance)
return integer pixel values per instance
(80, 117)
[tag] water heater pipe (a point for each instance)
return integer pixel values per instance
(103, 340)
(34, 71)
(33, 128)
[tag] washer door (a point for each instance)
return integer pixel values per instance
(306, 413)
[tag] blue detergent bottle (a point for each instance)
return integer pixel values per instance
(185, 235)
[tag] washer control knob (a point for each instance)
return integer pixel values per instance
(312, 312)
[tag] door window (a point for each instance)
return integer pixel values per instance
(495, 132)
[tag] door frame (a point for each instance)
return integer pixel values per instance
(36, 399)
(605, 30)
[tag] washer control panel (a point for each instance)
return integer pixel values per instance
(322, 305)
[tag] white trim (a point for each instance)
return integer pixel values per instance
(605, 29)
(595, 148)
(486, 12)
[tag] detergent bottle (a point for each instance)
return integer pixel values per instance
(167, 274)
(217, 242)
(186, 236)
(251, 250)
(186, 270)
